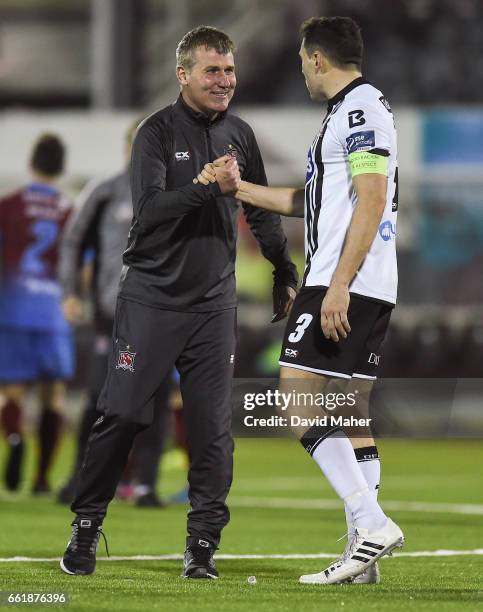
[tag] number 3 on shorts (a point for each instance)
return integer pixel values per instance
(303, 322)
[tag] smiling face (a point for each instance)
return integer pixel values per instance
(208, 86)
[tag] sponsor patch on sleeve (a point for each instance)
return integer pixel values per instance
(361, 141)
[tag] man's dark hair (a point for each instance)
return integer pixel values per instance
(339, 38)
(48, 155)
(202, 36)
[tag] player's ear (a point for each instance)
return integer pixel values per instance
(182, 75)
(321, 63)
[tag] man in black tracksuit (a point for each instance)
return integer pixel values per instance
(102, 222)
(177, 302)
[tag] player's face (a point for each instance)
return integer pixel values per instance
(209, 86)
(308, 70)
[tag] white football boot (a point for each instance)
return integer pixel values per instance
(366, 548)
(372, 575)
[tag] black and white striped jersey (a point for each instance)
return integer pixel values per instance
(358, 119)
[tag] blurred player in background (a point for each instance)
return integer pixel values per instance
(340, 317)
(101, 226)
(35, 340)
(177, 299)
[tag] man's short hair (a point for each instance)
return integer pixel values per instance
(48, 155)
(202, 36)
(338, 38)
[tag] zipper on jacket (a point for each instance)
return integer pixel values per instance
(209, 151)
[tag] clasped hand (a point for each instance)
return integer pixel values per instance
(223, 171)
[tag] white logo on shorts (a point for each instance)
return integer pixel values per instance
(182, 155)
(373, 358)
(291, 352)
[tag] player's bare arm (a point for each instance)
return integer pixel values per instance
(283, 297)
(287, 201)
(371, 200)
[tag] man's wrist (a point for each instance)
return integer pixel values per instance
(338, 280)
(286, 277)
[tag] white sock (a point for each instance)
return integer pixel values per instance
(368, 459)
(335, 457)
(365, 510)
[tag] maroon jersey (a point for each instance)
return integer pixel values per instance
(31, 222)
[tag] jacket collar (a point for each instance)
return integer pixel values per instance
(195, 116)
(343, 92)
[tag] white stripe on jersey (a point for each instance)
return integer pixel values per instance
(313, 200)
(358, 119)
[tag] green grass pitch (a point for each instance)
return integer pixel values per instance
(275, 472)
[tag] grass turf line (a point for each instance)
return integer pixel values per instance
(423, 471)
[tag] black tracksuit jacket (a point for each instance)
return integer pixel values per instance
(182, 243)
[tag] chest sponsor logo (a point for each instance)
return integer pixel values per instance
(182, 156)
(291, 352)
(361, 141)
(125, 361)
(387, 231)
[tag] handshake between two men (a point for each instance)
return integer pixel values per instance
(226, 173)
(223, 171)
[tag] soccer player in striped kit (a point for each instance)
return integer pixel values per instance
(341, 314)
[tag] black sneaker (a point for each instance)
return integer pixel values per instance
(80, 555)
(198, 561)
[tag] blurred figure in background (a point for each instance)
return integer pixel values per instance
(101, 226)
(35, 340)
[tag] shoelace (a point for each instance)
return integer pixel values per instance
(105, 541)
(345, 554)
(200, 555)
(354, 545)
(87, 542)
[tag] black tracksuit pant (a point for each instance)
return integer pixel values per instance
(150, 443)
(146, 343)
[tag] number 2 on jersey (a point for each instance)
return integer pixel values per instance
(303, 322)
(45, 233)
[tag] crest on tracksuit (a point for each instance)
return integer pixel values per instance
(231, 151)
(125, 361)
